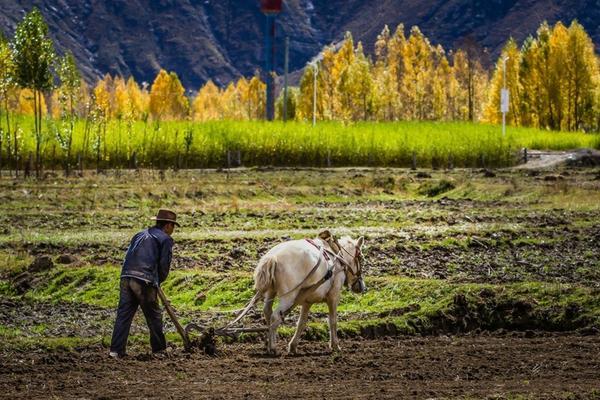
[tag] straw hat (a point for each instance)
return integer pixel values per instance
(166, 215)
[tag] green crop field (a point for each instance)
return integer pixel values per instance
(201, 145)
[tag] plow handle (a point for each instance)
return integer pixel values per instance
(171, 312)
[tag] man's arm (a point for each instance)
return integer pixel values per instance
(164, 264)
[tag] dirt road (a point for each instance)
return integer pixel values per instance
(548, 367)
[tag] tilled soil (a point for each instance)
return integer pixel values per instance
(540, 250)
(551, 367)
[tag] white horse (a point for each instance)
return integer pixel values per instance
(305, 272)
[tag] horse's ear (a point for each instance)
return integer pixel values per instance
(325, 235)
(360, 242)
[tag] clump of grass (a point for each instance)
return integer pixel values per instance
(433, 189)
(6, 289)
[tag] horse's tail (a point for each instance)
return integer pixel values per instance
(264, 274)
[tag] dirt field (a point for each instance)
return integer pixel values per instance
(499, 270)
(551, 367)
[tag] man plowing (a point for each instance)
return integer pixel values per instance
(146, 266)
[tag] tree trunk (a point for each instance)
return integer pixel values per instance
(98, 143)
(16, 150)
(70, 139)
(1, 136)
(37, 138)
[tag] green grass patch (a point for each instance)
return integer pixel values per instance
(6, 289)
(396, 304)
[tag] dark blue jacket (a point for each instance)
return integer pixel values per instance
(148, 256)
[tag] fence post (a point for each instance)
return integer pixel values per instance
(53, 162)
(239, 158)
(525, 156)
(228, 159)
(328, 158)
(450, 162)
(79, 164)
(134, 162)
(176, 164)
(28, 166)
(414, 161)
(482, 160)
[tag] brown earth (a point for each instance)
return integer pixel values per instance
(552, 367)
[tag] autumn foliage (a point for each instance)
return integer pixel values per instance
(553, 78)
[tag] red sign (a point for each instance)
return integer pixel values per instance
(270, 6)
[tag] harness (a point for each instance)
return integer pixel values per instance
(330, 257)
(325, 253)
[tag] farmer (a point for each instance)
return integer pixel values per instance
(146, 266)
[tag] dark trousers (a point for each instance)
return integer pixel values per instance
(136, 293)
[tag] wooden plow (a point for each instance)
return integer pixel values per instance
(208, 334)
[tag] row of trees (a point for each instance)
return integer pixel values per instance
(554, 81)
(409, 79)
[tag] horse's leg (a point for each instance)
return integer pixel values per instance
(333, 339)
(267, 312)
(299, 328)
(285, 304)
(268, 306)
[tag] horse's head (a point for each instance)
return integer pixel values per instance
(351, 252)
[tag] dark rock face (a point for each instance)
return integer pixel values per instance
(223, 39)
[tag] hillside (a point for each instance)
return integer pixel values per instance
(219, 40)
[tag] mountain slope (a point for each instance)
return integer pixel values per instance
(222, 39)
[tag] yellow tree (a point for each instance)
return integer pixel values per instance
(207, 104)
(304, 108)
(596, 111)
(385, 78)
(138, 100)
(459, 108)
(342, 76)
(357, 87)
(395, 54)
(104, 106)
(581, 68)
(472, 80)
(231, 106)
(122, 107)
(558, 49)
(529, 76)
(492, 112)
(541, 75)
(104, 95)
(55, 108)
(443, 81)
(418, 76)
(167, 97)
(252, 97)
(82, 108)
(26, 103)
(159, 96)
